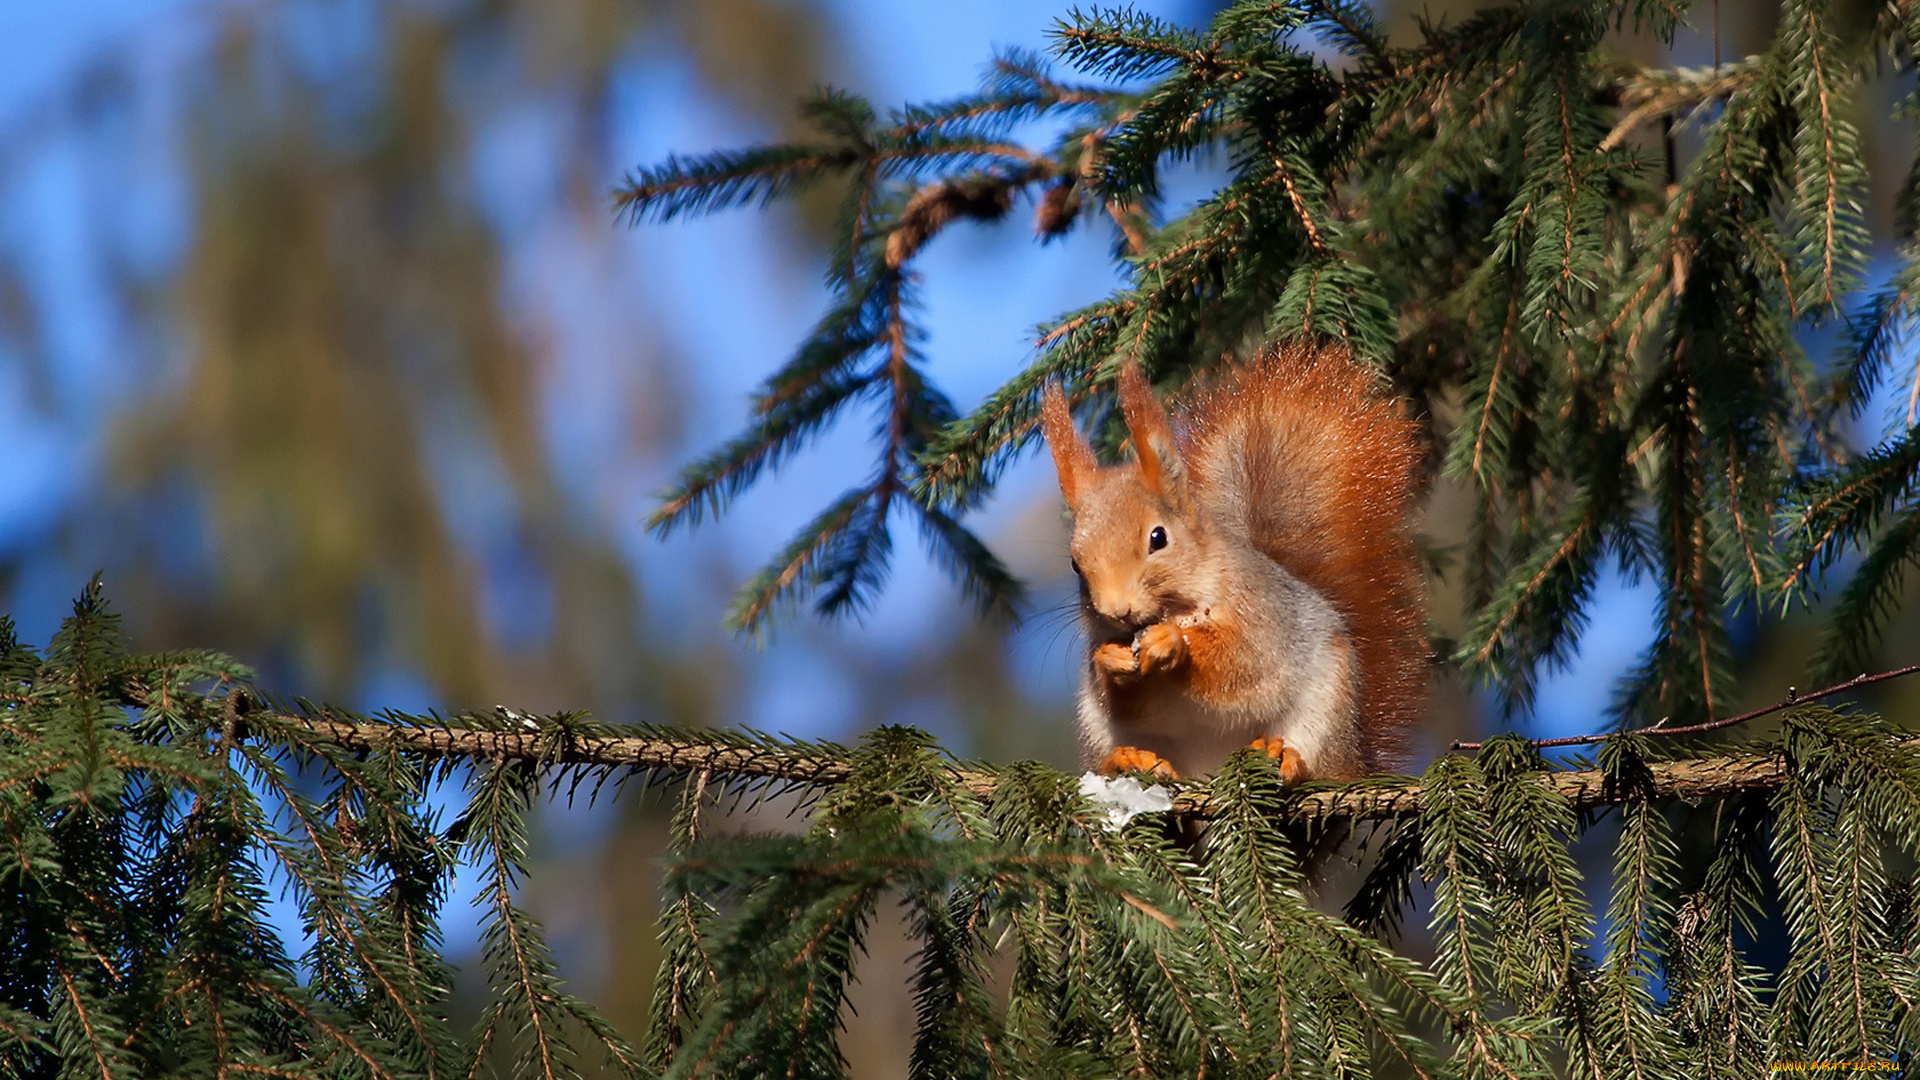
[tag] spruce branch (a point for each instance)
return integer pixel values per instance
(1640, 918)
(1131, 949)
(1652, 94)
(1124, 44)
(1870, 599)
(1468, 213)
(1831, 180)
(1793, 700)
(1875, 333)
(734, 757)
(1355, 32)
(1832, 515)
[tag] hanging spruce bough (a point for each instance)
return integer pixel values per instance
(151, 807)
(152, 804)
(1602, 330)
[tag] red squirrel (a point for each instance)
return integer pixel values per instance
(1250, 578)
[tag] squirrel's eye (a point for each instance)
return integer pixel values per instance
(1156, 539)
(1075, 563)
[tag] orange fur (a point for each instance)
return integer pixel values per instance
(1214, 652)
(1127, 759)
(1154, 449)
(1336, 465)
(1292, 769)
(1163, 647)
(1072, 458)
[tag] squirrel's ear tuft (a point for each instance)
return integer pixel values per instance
(1152, 432)
(1072, 455)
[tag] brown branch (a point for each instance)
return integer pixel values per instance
(935, 206)
(1792, 699)
(718, 761)
(1380, 798)
(1124, 215)
(1299, 204)
(1665, 93)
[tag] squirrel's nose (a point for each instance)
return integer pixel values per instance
(1120, 611)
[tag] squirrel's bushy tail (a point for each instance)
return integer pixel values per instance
(1311, 455)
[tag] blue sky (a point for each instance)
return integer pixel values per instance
(983, 294)
(984, 288)
(726, 290)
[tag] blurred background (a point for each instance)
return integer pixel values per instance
(319, 337)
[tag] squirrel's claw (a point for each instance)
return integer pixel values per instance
(1126, 759)
(1292, 768)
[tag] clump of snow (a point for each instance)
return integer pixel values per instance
(1123, 797)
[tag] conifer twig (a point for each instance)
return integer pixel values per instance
(1378, 798)
(1667, 92)
(536, 743)
(1792, 699)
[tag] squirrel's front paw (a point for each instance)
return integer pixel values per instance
(1293, 768)
(1126, 759)
(1116, 660)
(1160, 647)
